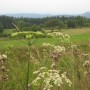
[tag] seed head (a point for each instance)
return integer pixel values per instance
(87, 63)
(4, 56)
(3, 68)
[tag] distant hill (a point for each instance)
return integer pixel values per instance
(31, 15)
(86, 14)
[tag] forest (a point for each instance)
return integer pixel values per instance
(37, 24)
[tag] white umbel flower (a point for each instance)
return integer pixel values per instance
(50, 78)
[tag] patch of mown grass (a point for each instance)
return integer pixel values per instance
(7, 43)
(81, 38)
(76, 31)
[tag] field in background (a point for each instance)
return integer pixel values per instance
(78, 31)
(77, 36)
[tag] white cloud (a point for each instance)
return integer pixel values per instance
(44, 6)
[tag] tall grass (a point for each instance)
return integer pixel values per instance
(24, 60)
(19, 71)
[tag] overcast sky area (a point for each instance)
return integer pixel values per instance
(44, 6)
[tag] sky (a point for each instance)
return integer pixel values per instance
(44, 6)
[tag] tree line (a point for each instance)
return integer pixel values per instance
(35, 24)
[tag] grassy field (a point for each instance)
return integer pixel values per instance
(78, 31)
(77, 35)
(75, 38)
(54, 66)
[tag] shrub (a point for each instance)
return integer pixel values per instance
(27, 35)
(38, 34)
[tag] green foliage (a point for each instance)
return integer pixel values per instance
(21, 25)
(27, 35)
(71, 24)
(7, 21)
(80, 21)
(8, 31)
(1, 28)
(52, 24)
(35, 28)
(38, 35)
(35, 24)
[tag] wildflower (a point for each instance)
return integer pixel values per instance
(36, 72)
(53, 65)
(7, 70)
(59, 48)
(3, 57)
(76, 51)
(4, 76)
(55, 55)
(85, 73)
(58, 34)
(67, 36)
(66, 79)
(34, 60)
(34, 82)
(42, 68)
(87, 63)
(73, 46)
(58, 51)
(3, 68)
(86, 56)
(50, 78)
(47, 45)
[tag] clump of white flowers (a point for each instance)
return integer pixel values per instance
(47, 45)
(55, 34)
(64, 38)
(67, 38)
(73, 46)
(59, 48)
(58, 34)
(50, 78)
(57, 53)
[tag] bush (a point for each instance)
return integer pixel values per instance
(38, 35)
(27, 35)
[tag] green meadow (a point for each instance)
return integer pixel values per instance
(77, 35)
(46, 63)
